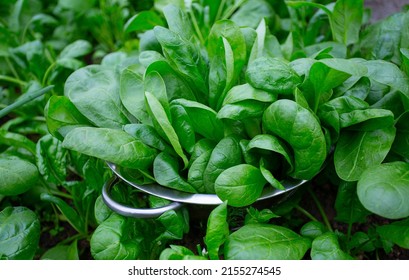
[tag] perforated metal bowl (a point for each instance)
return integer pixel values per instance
(178, 198)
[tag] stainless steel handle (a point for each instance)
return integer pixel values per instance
(130, 211)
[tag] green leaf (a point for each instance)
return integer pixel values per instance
(203, 119)
(17, 140)
(349, 209)
(77, 5)
(388, 74)
(301, 130)
(17, 176)
(272, 75)
(357, 151)
(176, 252)
(217, 230)
(265, 242)
(255, 216)
(240, 185)
(182, 124)
(148, 135)
(51, 159)
(400, 145)
(72, 216)
(271, 143)
(397, 232)
(132, 94)
(62, 116)
(176, 86)
(76, 49)
(142, 21)
(383, 189)
(326, 247)
(115, 239)
(175, 225)
(184, 57)
(313, 229)
(346, 21)
(111, 145)
(166, 172)
(62, 252)
(197, 169)
(163, 125)
(94, 90)
(226, 154)
(19, 233)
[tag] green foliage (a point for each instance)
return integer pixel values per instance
(217, 97)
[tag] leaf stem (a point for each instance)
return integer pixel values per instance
(13, 80)
(12, 69)
(27, 98)
(196, 27)
(306, 213)
(320, 209)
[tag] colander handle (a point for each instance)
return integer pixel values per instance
(130, 211)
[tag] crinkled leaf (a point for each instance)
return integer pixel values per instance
(115, 239)
(301, 130)
(19, 233)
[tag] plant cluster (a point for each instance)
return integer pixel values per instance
(219, 97)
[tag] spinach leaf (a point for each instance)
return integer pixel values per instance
(203, 119)
(201, 146)
(273, 75)
(226, 154)
(271, 143)
(197, 169)
(266, 44)
(182, 124)
(142, 21)
(326, 247)
(397, 232)
(383, 190)
(62, 116)
(313, 229)
(132, 95)
(217, 230)
(240, 185)
(163, 125)
(19, 233)
(72, 216)
(346, 20)
(402, 135)
(267, 242)
(62, 252)
(176, 86)
(148, 135)
(176, 252)
(185, 57)
(18, 176)
(111, 145)
(357, 151)
(301, 130)
(349, 209)
(51, 159)
(94, 92)
(167, 173)
(115, 239)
